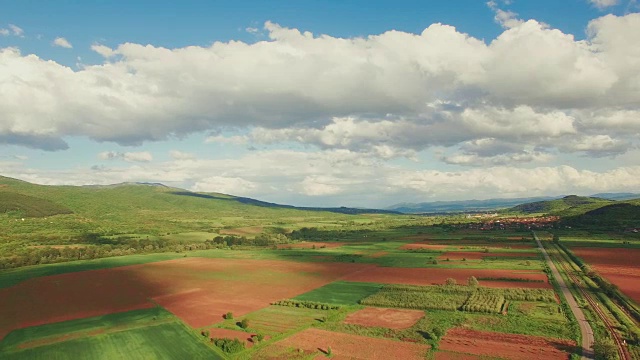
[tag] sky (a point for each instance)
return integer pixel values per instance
(324, 103)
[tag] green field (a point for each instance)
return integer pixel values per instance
(141, 334)
(341, 292)
(165, 341)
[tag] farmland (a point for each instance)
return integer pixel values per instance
(286, 283)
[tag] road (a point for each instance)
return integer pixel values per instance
(585, 328)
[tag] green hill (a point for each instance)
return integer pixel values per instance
(621, 215)
(29, 206)
(567, 206)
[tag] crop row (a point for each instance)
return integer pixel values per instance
(453, 297)
(478, 302)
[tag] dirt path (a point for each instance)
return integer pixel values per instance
(585, 328)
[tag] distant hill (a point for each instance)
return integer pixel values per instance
(566, 206)
(462, 205)
(133, 199)
(616, 196)
(620, 215)
(250, 201)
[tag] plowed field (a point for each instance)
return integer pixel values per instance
(509, 346)
(620, 266)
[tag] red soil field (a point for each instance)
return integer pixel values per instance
(310, 245)
(619, 266)
(197, 290)
(479, 255)
(71, 296)
(347, 346)
(200, 290)
(448, 355)
(384, 317)
(509, 346)
(437, 276)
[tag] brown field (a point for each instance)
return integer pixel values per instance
(510, 346)
(448, 355)
(619, 266)
(437, 276)
(479, 255)
(347, 346)
(197, 290)
(310, 245)
(384, 317)
(71, 296)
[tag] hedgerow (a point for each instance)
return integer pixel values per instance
(306, 304)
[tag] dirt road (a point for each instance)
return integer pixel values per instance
(585, 328)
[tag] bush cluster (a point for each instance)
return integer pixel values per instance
(227, 345)
(306, 304)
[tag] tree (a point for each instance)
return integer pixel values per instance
(605, 349)
(244, 323)
(450, 281)
(228, 315)
(472, 281)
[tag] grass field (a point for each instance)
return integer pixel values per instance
(141, 334)
(165, 341)
(83, 327)
(341, 292)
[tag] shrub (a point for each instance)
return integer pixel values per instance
(450, 281)
(229, 346)
(472, 281)
(228, 316)
(244, 323)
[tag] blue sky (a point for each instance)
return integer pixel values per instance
(324, 103)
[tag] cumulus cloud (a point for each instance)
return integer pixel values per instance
(392, 94)
(142, 156)
(62, 42)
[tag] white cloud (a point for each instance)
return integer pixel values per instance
(235, 140)
(225, 185)
(392, 94)
(17, 31)
(506, 19)
(252, 30)
(179, 155)
(142, 156)
(62, 42)
(4, 32)
(603, 4)
(340, 177)
(105, 51)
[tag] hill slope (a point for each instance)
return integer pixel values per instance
(29, 206)
(566, 206)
